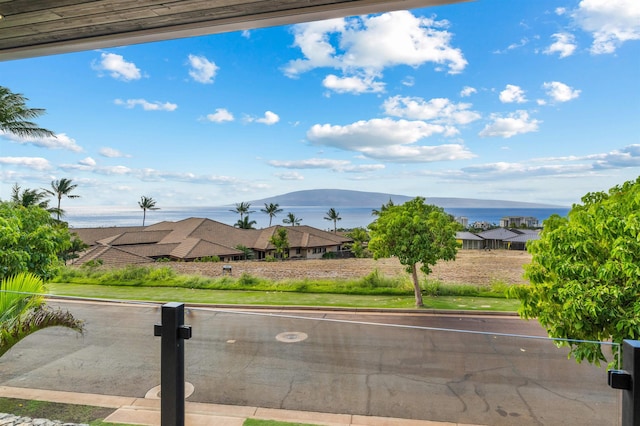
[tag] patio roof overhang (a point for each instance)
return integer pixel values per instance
(30, 28)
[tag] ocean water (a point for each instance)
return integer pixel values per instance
(352, 217)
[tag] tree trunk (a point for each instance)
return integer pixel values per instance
(416, 286)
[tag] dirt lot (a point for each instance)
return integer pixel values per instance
(470, 267)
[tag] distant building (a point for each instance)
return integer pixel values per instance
(519, 222)
(463, 220)
(482, 225)
(497, 239)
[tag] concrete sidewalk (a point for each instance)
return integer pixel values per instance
(143, 411)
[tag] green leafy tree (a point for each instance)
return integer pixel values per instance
(334, 216)
(15, 115)
(30, 241)
(23, 311)
(147, 203)
(291, 219)
(584, 273)
(280, 241)
(415, 233)
(245, 223)
(272, 210)
(242, 208)
(61, 188)
(360, 238)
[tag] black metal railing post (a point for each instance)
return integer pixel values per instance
(628, 380)
(173, 333)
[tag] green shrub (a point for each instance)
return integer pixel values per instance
(213, 259)
(161, 274)
(330, 255)
(248, 280)
(270, 259)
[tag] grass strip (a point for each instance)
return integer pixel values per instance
(271, 298)
(68, 413)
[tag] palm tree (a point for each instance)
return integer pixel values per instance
(245, 223)
(291, 219)
(58, 189)
(383, 208)
(147, 203)
(23, 311)
(29, 197)
(242, 208)
(14, 115)
(272, 210)
(333, 215)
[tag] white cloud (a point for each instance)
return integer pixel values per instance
(59, 141)
(511, 125)
(467, 91)
(220, 116)
(610, 22)
(353, 84)
(36, 163)
(146, 105)
(202, 70)
(560, 92)
(388, 139)
(564, 45)
(89, 162)
(268, 119)
(512, 94)
(439, 110)
(289, 176)
(117, 67)
(112, 153)
(366, 45)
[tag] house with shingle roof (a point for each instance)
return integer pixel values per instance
(196, 238)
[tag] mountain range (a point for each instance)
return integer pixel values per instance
(348, 198)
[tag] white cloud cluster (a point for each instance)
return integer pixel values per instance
(220, 116)
(363, 47)
(112, 153)
(326, 163)
(512, 94)
(146, 105)
(269, 118)
(560, 92)
(564, 45)
(611, 22)
(202, 70)
(59, 141)
(438, 110)
(117, 67)
(35, 163)
(388, 139)
(510, 125)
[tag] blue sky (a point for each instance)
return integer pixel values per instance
(527, 100)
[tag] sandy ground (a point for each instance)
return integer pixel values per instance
(470, 267)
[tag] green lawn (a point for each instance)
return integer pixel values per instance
(271, 298)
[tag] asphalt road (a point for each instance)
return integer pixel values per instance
(405, 366)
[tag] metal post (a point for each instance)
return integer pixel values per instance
(173, 332)
(628, 380)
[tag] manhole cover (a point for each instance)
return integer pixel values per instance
(291, 336)
(155, 393)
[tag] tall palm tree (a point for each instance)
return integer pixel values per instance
(333, 215)
(245, 223)
(272, 210)
(60, 188)
(147, 203)
(23, 311)
(291, 219)
(384, 207)
(242, 208)
(15, 115)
